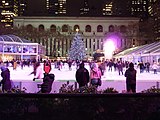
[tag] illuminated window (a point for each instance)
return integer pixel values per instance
(6, 3)
(75, 27)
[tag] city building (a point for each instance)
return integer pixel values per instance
(10, 9)
(147, 11)
(139, 8)
(156, 19)
(116, 8)
(151, 26)
(56, 7)
(95, 31)
(85, 9)
(101, 8)
(108, 8)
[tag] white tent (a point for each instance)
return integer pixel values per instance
(148, 52)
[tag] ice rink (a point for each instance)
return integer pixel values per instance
(21, 78)
(65, 74)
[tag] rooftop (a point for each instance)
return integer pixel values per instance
(13, 38)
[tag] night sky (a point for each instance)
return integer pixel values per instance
(36, 7)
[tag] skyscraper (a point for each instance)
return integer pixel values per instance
(116, 8)
(139, 8)
(151, 27)
(85, 8)
(94, 8)
(108, 8)
(156, 19)
(10, 9)
(150, 7)
(56, 7)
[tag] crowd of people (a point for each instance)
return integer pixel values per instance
(84, 77)
(97, 71)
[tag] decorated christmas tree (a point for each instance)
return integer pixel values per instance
(77, 50)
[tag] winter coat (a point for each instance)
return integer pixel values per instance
(14, 65)
(6, 82)
(39, 73)
(46, 86)
(82, 76)
(47, 67)
(155, 66)
(120, 66)
(130, 75)
(95, 73)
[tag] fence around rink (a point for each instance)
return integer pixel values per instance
(119, 85)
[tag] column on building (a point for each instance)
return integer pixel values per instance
(89, 46)
(50, 45)
(97, 43)
(40, 42)
(54, 46)
(63, 42)
(86, 46)
(66, 48)
(94, 45)
(58, 47)
(101, 43)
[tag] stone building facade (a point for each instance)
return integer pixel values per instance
(95, 32)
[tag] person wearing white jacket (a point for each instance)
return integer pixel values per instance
(39, 71)
(155, 67)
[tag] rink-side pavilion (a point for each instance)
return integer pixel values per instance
(14, 47)
(148, 52)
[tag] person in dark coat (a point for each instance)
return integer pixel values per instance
(82, 75)
(46, 86)
(120, 67)
(141, 67)
(130, 75)
(6, 82)
(70, 64)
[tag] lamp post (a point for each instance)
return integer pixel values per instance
(3, 52)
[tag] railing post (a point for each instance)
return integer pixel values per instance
(157, 85)
(75, 84)
(20, 86)
(67, 82)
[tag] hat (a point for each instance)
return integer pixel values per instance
(131, 65)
